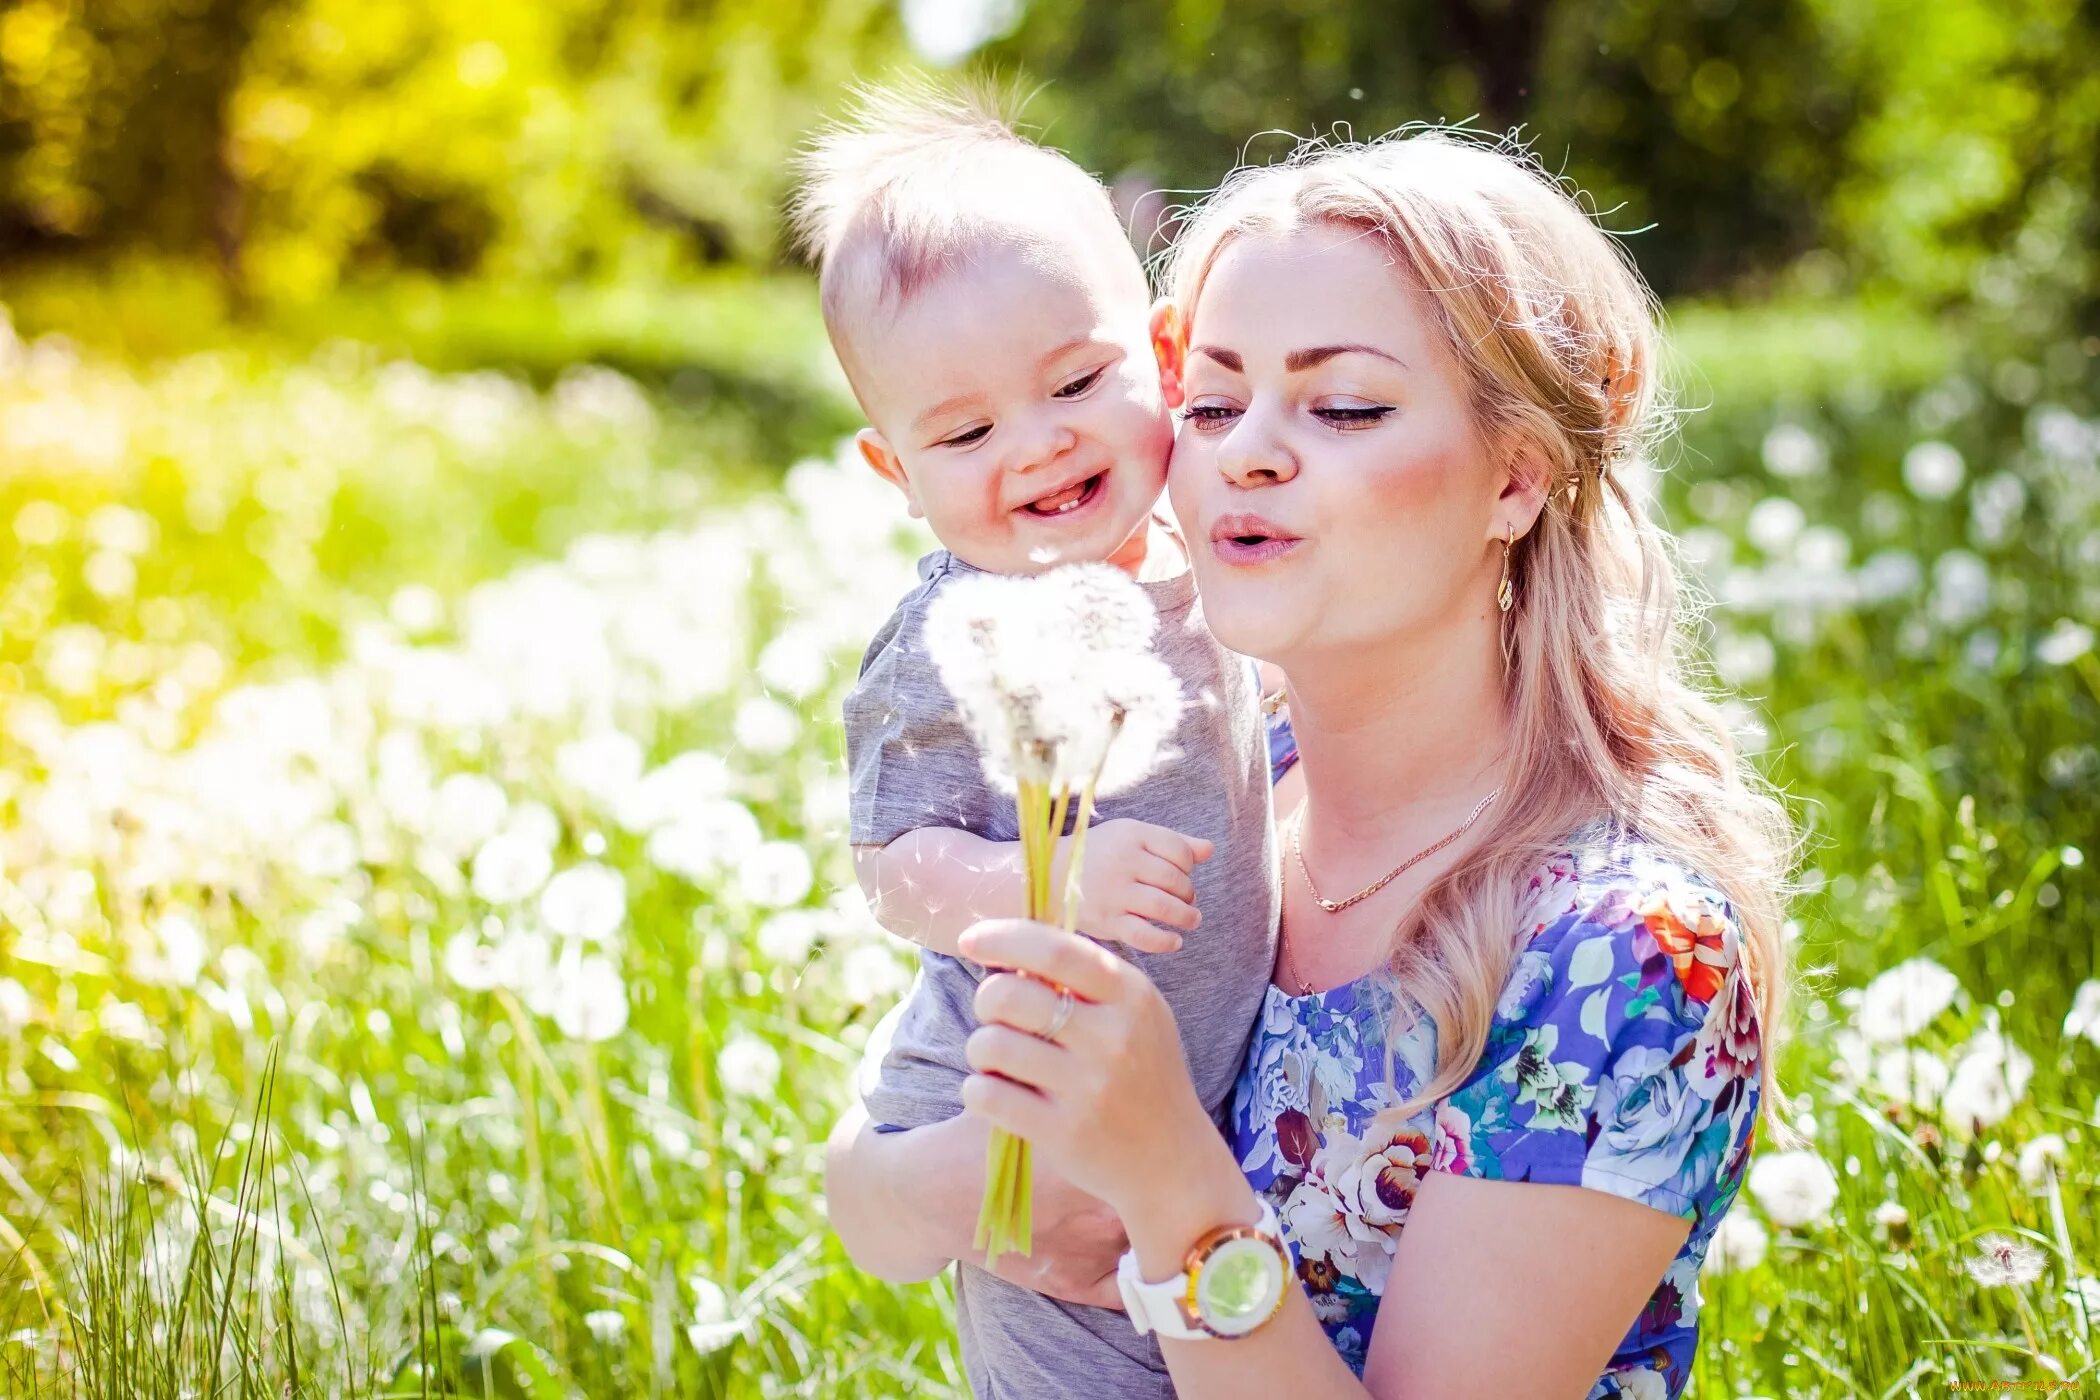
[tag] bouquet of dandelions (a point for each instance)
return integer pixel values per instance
(1056, 680)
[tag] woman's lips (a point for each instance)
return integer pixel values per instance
(1234, 550)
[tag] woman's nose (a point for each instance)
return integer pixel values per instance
(1251, 455)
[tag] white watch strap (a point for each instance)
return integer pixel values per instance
(1157, 1307)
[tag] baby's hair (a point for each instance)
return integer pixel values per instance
(906, 183)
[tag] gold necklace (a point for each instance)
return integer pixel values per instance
(1336, 906)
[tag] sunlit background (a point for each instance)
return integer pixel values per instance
(428, 958)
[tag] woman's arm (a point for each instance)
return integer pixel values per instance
(1109, 1100)
(905, 1203)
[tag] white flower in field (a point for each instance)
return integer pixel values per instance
(1890, 1215)
(1738, 1243)
(1961, 588)
(1823, 549)
(1773, 522)
(714, 836)
(325, 927)
(467, 810)
(1796, 1188)
(126, 1020)
(748, 1067)
(764, 727)
(108, 574)
(872, 972)
(603, 766)
(2039, 1159)
(587, 901)
(1989, 1079)
(1744, 658)
(788, 936)
(416, 608)
(776, 875)
(472, 961)
(715, 1323)
(175, 955)
(535, 821)
(606, 1325)
(679, 788)
(326, 851)
(1905, 1000)
(15, 1006)
(2065, 642)
(1910, 1076)
(1933, 470)
(1887, 574)
(1792, 451)
(510, 866)
(590, 1000)
(2084, 1016)
(121, 529)
(796, 663)
(2002, 1261)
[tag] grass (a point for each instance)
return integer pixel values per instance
(367, 1034)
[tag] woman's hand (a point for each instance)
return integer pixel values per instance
(1107, 1098)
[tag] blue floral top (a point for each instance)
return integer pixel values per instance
(1623, 1056)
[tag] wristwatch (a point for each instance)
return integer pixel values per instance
(1232, 1283)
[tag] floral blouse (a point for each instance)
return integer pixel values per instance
(1623, 1056)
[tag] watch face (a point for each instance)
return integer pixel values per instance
(1239, 1286)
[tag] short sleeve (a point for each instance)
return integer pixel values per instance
(1623, 1055)
(910, 761)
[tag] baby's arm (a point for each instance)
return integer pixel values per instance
(931, 884)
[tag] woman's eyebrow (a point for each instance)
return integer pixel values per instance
(1228, 358)
(1298, 360)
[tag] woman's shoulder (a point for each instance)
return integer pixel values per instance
(1611, 899)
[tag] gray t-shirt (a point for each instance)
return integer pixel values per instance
(914, 765)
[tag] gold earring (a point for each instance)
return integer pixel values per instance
(1506, 595)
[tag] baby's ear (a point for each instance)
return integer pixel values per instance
(875, 451)
(1170, 347)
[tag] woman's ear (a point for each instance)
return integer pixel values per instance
(1170, 347)
(1522, 492)
(875, 451)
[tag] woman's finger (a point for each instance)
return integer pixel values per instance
(1022, 945)
(1017, 1108)
(1016, 1055)
(1166, 875)
(1026, 1004)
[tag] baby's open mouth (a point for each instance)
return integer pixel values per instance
(1071, 498)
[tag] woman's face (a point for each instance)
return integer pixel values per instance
(1329, 475)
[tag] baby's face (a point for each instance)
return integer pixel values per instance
(1017, 404)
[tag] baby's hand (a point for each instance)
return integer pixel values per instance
(1134, 875)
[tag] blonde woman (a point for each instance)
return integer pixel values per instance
(1519, 1032)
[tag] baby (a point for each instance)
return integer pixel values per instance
(993, 321)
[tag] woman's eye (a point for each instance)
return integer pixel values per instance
(1349, 417)
(1079, 386)
(964, 439)
(1208, 417)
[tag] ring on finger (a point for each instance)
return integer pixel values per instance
(1064, 1014)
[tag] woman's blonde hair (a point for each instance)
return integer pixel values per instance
(1555, 332)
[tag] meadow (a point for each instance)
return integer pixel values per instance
(429, 962)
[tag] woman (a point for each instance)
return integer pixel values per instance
(1508, 1072)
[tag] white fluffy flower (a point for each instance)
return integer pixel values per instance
(765, 728)
(748, 1067)
(2004, 1262)
(607, 1325)
(1989, 1080)
(2064, 643)
(1738, 1243)
(468, 809)
(714, 836)
(1792, 451)
(2084, 1016)
(685, 785)
(795, 663)
(2040, 1157)
(788, 936)
(326, 850)
(1905, 999)
(590, 1000)
(870, 973)
(776, 875)
(603, 766)
(175, 956)
(1797, 1188)
(587, 901)
(510, 866)
(1911, 1076)
(1933, 470)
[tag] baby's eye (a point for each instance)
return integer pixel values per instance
(1079, 386)
(966, 437)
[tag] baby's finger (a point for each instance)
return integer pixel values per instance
(1163, 908)
(1133, 932)
(1163, 874)
(1186, 852)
